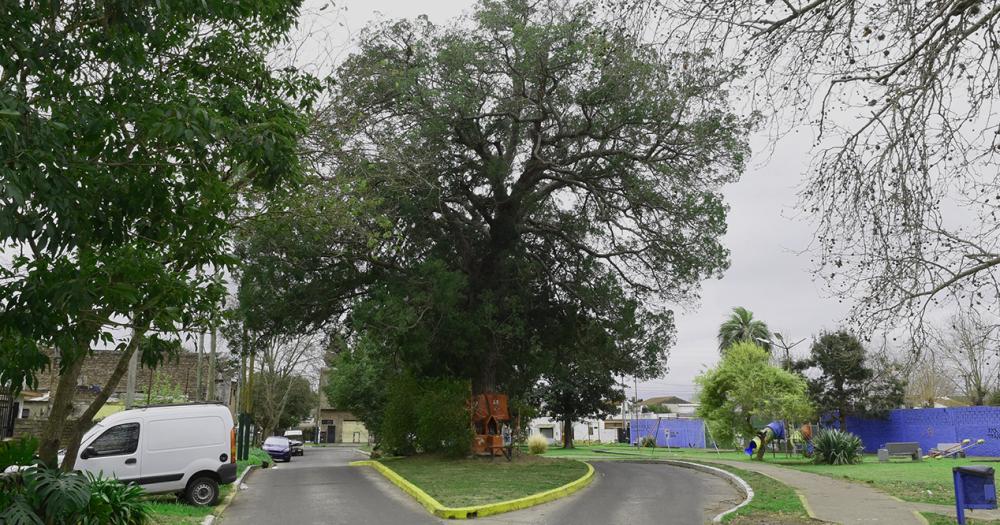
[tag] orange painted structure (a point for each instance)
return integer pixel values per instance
(489, 413)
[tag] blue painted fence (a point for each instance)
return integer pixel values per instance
(681, 433)
(930, 426)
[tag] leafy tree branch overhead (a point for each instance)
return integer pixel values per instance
(129, 131)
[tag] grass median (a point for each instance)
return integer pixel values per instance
(481, 481)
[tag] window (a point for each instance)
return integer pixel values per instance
(546, 432)
(117, 440)
(25, 413)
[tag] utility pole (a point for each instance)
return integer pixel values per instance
(133, 366)
(211, 362)
(788, 349)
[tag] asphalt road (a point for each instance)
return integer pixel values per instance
(320, 488)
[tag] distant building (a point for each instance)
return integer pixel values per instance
(593, 430)
(335, 425)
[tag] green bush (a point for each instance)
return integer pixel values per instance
(647, 442)
(443, 423)
(428, 415)
(17, 452)
(114, 503)
(833, 447)
(41, 495)
(537, 444)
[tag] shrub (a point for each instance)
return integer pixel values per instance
(429, 415)
(17, 452)
(647, 442)
(537, 444)
(834, 447)
(443, 422)
(115, 503)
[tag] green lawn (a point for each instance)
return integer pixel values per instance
(479, 481)
(937, 519)
(927, 481)
(167, 509)
(773, 502)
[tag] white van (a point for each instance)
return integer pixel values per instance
(188, 449)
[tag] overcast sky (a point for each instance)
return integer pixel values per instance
(768, 274)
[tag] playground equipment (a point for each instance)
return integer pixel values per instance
(489, 415)
(775, 431)
(953, 449)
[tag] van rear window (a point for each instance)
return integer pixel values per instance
(189, 432)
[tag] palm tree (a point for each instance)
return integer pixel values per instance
(741, 326)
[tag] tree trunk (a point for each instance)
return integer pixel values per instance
(84, 422)
(61, 411)
(567, 433)
(843, 419)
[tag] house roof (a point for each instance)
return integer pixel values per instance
(665, 400)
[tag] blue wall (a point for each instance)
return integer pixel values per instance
(930, 426)
(671, 432)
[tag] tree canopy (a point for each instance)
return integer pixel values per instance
(129, 131)
(745, 390)
(525, 161)
(848, 383)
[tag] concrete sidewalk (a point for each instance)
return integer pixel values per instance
(839, 501)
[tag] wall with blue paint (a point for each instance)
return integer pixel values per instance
(673, 432)
(930, 426)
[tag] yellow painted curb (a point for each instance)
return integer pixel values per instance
(805, 504)
(921, 517)
(434, 507)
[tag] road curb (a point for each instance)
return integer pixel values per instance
(439, 510)
(733, 479)
(229, 499)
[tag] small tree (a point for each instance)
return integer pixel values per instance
(846, 385)
(745, 387)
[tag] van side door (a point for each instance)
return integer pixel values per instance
(114, 453)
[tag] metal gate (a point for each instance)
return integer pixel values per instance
(8, 413)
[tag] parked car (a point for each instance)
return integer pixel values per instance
(278, 447)
(295, 436)
(188, 449)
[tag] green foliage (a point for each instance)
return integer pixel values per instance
(165, 391)
(742, 327)
(464, 237)
(847, 385)
(115, 503)
(537, 444)
(19, 451)
(299, 401)
(41, 495)
(357, 382)
(429, 415)
(744, 387)
(647, 442)
(834, 447)
(443, 423)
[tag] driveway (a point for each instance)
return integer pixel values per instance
(320, 488)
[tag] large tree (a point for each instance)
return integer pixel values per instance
(900, 95)
(847, 383)
(521, 155)
(128, 131)
(967, 349)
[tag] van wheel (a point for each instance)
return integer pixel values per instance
(202, 492)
